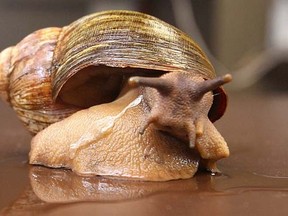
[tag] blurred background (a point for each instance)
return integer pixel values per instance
(248, 38)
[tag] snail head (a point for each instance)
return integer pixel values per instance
(178, 102)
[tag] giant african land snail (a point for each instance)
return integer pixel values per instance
(156, 127)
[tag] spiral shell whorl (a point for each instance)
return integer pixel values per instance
(25, 80)
(5, 63)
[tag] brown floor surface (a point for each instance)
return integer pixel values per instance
(254, 180)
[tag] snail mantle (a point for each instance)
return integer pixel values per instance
(119, 94)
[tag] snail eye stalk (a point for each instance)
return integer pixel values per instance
(162, 85)
(210, 85)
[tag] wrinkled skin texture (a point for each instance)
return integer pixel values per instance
(108, 140)
(121, 152)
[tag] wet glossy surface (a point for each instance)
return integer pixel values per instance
(254, 179)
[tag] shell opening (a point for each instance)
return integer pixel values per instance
(219, 105)
(95, 85)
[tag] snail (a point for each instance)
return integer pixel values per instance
(117, 93)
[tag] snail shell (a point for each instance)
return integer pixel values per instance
(25, 80)
(54, 72)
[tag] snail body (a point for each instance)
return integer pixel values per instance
(100, 65)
